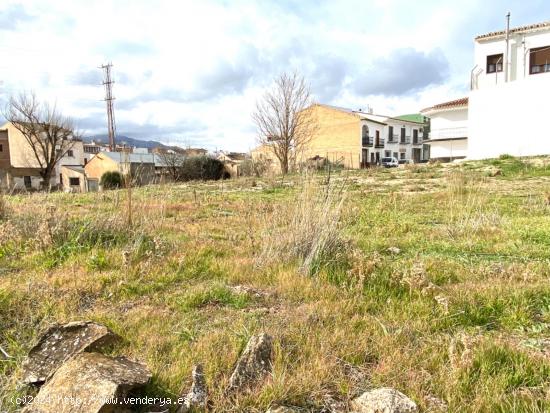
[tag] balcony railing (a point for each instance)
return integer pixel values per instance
(367, 141)
(379, 143)
(445, 133)
(393, 139)
(405, 140)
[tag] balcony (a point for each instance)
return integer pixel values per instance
(379, 143)
(366, 141)
(405, 140)
(393, 139)
(449, 133)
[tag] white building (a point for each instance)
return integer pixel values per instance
(508, 106)
(391, 136)
(448, 138)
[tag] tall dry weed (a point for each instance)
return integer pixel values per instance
(308, 228)
(471, 211)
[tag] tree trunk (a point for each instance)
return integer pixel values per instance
(46, 175)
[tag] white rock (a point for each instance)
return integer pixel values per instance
(384, 400)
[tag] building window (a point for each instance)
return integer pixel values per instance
(1, 148)
(494, 63)
(395, 155)
(74, 181)
(539, 60)
(365, 135)
(415, 135)
(387, 154)
(402, 135)
(390, 133)
(27, 181)
(402, 155)
(70, 153)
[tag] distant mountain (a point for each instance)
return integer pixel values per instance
(126, 140)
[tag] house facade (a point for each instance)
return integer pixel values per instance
(140, 166)
(448, 137)
(508, 102)
(356, 139)
(19, 168)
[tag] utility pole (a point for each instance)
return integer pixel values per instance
(108, 83)
(507, 51)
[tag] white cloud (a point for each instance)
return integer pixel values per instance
(192, 70)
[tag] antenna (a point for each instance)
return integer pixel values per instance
(108, 83)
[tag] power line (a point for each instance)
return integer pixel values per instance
(108, 83)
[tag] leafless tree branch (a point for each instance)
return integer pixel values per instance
(281, 119)
(49, 134)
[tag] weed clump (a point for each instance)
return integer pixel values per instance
(308, 230)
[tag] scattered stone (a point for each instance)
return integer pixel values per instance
(197, 397)
(495, 172)
(90, 383)
(254, 363)
(384, 400)
(61, 342)
(243, 289)
(394, 250)
(436, 404)
(282, 409)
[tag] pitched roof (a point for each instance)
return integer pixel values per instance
(447, 105)
(520, 29)
(363, 115)
(121, 157)
(413, 117)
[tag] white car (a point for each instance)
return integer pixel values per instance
(389, 162)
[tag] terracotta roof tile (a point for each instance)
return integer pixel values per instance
(448, 105)
(521, 29)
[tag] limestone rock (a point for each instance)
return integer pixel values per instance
(384, 400)
(89, 383)
(254, 363)
(61, 342)
(394, 250)
(282, 409)
(197, 397)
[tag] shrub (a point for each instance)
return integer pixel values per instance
(254, 167)
(201, 168)
(505, 156)
(111, 180)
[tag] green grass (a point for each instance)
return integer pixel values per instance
(460, 313)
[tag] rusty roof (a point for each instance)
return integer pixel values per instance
(447, 105)
(520, 29)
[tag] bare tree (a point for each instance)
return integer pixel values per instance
(49, 134)
(173, 164)
(284, 125)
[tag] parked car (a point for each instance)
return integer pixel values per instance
(390, 162)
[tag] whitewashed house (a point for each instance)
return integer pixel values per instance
(400, 138)
(448, 137)
(507, 109)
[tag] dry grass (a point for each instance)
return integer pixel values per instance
(308, 229)
(442, 320)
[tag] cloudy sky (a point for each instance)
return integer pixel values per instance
(190, 72)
